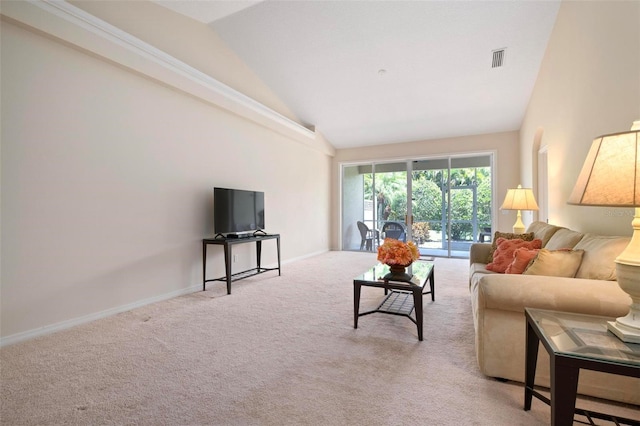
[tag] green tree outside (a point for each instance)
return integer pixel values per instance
(428, 187)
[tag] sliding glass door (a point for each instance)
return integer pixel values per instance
(452, 204)
(442, 204)
(374, 204)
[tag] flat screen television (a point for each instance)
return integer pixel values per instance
(237, 213)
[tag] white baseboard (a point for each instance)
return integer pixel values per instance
(53, 328)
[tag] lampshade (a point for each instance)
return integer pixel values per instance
(519, 199)
(610, 175)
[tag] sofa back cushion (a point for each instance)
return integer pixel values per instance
(563, 238)
(600, 253)
(555, 263)
(503, 256)
(543, 231)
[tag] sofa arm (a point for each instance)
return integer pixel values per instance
(479, 253)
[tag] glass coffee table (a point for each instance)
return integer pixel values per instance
(402, 297)
(574, 342)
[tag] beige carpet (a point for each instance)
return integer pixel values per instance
(279, 350)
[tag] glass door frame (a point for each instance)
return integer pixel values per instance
(409, 169)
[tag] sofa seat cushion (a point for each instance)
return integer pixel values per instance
(600, 253)
(480, 268)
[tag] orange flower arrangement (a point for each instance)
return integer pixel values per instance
(396, 252)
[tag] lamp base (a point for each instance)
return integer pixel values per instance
(518, 227)
(624, 333)
(627, 328)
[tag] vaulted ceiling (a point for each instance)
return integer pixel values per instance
(375, 72)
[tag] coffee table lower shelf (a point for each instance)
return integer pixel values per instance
(395, 303)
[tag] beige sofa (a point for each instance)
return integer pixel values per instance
(498, 301)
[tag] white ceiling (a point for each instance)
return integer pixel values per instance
(324, 60)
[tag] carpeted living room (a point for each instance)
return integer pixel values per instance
(120, 118)
(280, 350)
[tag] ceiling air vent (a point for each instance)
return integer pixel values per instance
(498, 58)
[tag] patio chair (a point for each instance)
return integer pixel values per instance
(367, 235)
(394, 230)
(485, 233)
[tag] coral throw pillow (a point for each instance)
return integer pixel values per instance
(507, 236)
(503, 256)
(521, 259)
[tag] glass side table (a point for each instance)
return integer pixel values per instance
(574, 342)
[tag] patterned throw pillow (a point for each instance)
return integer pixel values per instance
(508, 236)
(503, 255)
(521, 259)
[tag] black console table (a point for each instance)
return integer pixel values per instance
(228, 243)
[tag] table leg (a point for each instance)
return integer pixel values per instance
(258, 253)
(564, 386)
(356, 303)
(278, 249)
(204, 266)
(432, 283)
(227, 265)
(417, 304)
(530, 365)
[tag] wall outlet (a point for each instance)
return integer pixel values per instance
(235, 258)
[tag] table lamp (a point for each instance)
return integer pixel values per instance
(519, 199)
(611, 177)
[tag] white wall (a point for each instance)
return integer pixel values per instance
(186, 39)
(588, 85)
(505, 145)
(107, 180)
(352, 212)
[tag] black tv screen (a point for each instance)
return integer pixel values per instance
(237, 212)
